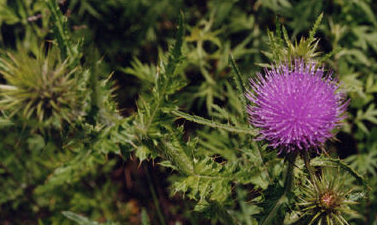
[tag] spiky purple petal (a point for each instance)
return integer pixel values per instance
(295, 107)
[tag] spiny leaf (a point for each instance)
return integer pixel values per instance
(209, 180)
(279, 32)
(285, 35)
(174, 151)
(212, 181)
(237, 76)
(201, 120)
(59, 27)
(315, 28)
(346, 167)
(165, 84)
(176, 52)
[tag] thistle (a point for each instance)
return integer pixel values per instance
(38, 87)
(326, 199)
(295, 106)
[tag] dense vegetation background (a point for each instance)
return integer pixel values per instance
(101, 153)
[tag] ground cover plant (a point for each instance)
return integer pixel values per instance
(188, 112)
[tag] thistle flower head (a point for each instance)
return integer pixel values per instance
(37, 87)
(327, 199)
(295, 106)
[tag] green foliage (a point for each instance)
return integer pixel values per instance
(369, 114)
(365, 162)
(211, 181)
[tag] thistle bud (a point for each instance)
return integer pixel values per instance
(37, 87)
(327, 200)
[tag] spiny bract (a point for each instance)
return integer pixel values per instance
(38, 86)
(327, 199)
(295, 106)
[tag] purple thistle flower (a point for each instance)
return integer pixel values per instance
(296, 107)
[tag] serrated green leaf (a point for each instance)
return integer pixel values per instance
(214, 124)
(238, 79)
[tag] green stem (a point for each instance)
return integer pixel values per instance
(154, 196)
(237, 76)
(309, 168)
(289, 176)
(287, 191)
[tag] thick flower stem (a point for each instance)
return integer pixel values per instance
(289, 177)
(289, 174)
(154, 196)
(309, 168)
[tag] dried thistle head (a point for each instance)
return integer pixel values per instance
(37, 87)
(327, 199)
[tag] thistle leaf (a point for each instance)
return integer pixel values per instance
(238, 79)
(203, 121)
